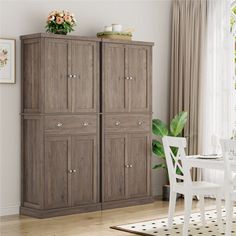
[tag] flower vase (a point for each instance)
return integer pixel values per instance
(61, 32)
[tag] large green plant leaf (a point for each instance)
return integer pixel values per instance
(159, 128)
(162, 165)
(178, 123)
(157, 148)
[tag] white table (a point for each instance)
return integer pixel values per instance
(216, 164)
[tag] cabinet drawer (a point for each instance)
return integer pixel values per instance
(113, 123)
(71, 124)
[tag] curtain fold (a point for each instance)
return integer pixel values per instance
(188, 43)
(202, 69)
(217, 84)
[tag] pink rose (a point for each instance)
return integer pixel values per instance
(51, 18)
(67, 19)
(59, 20)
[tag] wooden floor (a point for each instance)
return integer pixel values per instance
(89, 224)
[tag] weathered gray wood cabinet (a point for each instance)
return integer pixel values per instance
(86, 124)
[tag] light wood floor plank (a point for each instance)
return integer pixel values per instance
(88, 224)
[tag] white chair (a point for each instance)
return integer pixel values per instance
(229, 154)
(183, 184)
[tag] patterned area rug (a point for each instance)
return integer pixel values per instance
(159, 226)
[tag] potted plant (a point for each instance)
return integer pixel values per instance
(160, 129)
(60, 22)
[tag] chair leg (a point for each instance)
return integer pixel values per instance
(171, 212)
(219, 211)
(187, 212)
(202, 209)
(229, 215)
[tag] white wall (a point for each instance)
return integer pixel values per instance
(152, 22)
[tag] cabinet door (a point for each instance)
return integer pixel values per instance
(84, 163)
(84, 66)
(57, 152)
(138, 174)
(114, 167)
(139, 83)
(57, 87)
(115, 83)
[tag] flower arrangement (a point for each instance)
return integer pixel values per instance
(3, 57)
(60, 22)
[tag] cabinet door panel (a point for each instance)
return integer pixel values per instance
(84, 65)
(139, 158)
(115, 84)
(57, 151)
(57, 97)
(84, 183)
(114, 167)
(139, 86)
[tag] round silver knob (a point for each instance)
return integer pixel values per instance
(130, 166)
(130, 77)
(74, 171)
(70, 76)
(59, 124)
(127, 78)
(74, 76)
(117, 123)
(85, 124)
(127, 166)
(140, 122)
(70, 171)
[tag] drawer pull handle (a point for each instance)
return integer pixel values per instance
(74, 76)
(59, 124)
(70, 171)
(85, 124)
(74, 171)
(117, 123)
(130, 77)
(140, 122)
(70, 76)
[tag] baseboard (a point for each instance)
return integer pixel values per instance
(127, 202)
(46, 213)
(10, 210)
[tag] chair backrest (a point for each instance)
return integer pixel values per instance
(229, 155)
(175, 159)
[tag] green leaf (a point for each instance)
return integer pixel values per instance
(157, 148)
(178, 123)
(159, 128)
(162, 165)
(178, 171)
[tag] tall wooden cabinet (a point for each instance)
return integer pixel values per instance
(126, 121)
(86, 124)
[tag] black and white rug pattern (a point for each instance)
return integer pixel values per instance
(159, 226)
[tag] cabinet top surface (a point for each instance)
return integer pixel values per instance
(76, 37)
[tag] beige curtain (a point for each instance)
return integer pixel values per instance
(188, 34)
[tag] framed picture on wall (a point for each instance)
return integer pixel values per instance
(7, 61)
